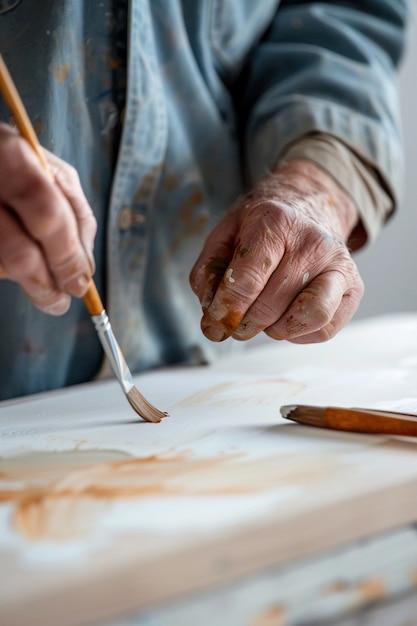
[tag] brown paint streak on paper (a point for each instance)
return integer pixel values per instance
(62, 495)
(338, 586)
(372, 589)
(413, 577)
(267, 392)
(273, 616)
(207, 396)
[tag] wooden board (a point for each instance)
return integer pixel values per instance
(101, 515)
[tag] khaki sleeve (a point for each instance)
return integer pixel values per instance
(374, 200)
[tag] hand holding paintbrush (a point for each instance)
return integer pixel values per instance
(91, 297)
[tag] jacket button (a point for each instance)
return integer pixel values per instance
(128, 218)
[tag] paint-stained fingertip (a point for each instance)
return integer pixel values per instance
(211, 330)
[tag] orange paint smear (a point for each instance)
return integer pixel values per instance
(62, 495)
(273, 616)
(372, 589)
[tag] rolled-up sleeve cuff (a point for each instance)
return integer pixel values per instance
(356, 152)
(358, 179)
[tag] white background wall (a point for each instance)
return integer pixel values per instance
(389, 267)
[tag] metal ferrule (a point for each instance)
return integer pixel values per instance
(112, 350)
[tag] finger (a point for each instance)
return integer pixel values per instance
(315, 307)
(344, 313)
(281, 289)
(68, 180)
(21, 260)
(213, 261)
(45, 213)
(258, 251)
(312, 253)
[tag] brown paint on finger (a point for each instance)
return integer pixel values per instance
(223, 328)
(217, 265)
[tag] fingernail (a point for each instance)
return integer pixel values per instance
(214, 333)
(211, 330)
(59, 306)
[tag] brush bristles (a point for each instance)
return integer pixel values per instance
(309, 415)
(143, 407)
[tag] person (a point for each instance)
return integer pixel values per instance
(246, 147)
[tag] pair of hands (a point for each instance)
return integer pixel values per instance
(277, 262)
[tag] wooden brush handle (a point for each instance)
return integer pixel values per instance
(11, 95)
(15, 104)
(92, 300)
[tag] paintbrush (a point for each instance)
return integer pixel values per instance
(370, 421)
(91, 298)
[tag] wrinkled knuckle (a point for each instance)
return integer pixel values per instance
(267, 218)
(278, 220)
(248, 282)
(318, 245)
(263, 311)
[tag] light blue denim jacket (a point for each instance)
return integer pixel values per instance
(216, 90)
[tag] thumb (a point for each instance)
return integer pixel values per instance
(214, 259)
